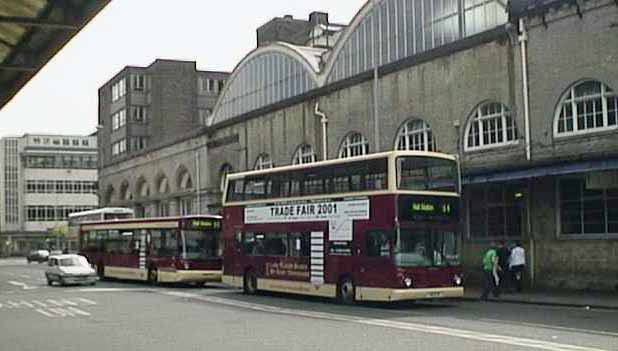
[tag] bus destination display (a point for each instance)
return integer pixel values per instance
(426, 208)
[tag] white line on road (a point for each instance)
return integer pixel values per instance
(23, 285)
(114, 289)
(44, 305)
(67, 302)
(90, 302)
(555, 327)
(78, 311)
(54, 302)
(61, 312)
(25, 276)
(43, 312)
(423, 328)
(26, 303)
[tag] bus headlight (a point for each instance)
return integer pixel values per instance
(458, 279)
(407, 281)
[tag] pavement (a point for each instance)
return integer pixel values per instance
(566, 298)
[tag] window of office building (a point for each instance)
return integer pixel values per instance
(119, 89)
(586, 209)
(495, 210)
(139, 114)
(139, 81)
(119, 119)
(587, 106)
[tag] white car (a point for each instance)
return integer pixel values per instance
(70, 269)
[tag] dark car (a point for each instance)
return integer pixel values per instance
(37, 256)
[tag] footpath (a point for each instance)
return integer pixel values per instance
(566, 298)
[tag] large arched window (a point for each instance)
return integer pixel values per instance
(263, 162)
(304, 154)
(183, 179)
(415, 134)
(490, 125)
(385, 31)
(163, 186)
(354, 144)
(587, 106)
(125, 191)
(223, 172)
(143, 190)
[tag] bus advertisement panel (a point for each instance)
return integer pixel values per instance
(382, 227)
(158, 250)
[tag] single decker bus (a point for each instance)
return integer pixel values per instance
(158, 250)
(99, 214)
(379, 227)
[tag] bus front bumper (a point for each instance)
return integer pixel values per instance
(383, 294)
(189, 276)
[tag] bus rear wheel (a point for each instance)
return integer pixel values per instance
(346, 291)
(249, 285)
(153, 276)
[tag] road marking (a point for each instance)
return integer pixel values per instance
(39, 303)
(61, 312)
(78, 311)
(24, 276)
(114, 289)
(26, 303)
(54, 302)
(423, 328)
(90, 302)
(67, 302)
(23, 285)
(556, 327)
(43, 312)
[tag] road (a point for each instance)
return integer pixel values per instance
(133, 316)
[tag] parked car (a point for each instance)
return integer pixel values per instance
(70, 269)
(37, 256)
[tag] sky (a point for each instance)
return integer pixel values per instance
(62, 97)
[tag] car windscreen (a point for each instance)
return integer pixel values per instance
(73, 261)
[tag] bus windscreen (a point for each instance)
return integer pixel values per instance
(424, 173)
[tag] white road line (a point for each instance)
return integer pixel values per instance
(23, 285)
(67, 302)
(24, 276)
(113, 289)
(89, 302)
(26, 303)
(12, 304)
(43, 312)
(44, 305)
(54, 302)
(423, 328)
(78, 311)
(61, 312)
(555, 327)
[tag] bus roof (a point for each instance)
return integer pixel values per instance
(343, 161)
(115, 210)
(151, 219)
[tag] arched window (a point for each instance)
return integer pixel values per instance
(143, 190)
(125, 192)
(304, 154)
(415, 134)
(225, 170)
(163, 186)
(109, 195)
(184, 181)
(490, 125)
(355, 144)
(587, 106)
(263, 162)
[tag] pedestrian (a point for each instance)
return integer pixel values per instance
(490, 267)
(503, 253)
(517, 263)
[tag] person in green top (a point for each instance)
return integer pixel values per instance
(490, 267)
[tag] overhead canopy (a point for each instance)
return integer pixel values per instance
(32, 32)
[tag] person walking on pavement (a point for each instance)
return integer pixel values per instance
(490, 267)
(503, 253)
(517, 263)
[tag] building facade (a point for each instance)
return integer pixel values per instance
(43, 178)
(524, 95)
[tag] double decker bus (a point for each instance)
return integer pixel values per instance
(157, 250)
(99, 214)
(380, 227)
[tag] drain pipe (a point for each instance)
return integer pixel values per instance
(324, 122)
(523, 41)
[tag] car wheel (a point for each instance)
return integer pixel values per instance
(62, 282)
(49, 281)
(346, 291)
(249, 285)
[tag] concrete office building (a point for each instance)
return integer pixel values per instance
(525, 95)
(43, 178)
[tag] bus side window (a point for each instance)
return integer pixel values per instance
(299, 244)
(377, 244)
(238, 242)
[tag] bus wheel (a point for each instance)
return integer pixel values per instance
(249, 285)
(101, 271)
(153, 278)
(346, 291)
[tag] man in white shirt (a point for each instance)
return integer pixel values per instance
(517, 263)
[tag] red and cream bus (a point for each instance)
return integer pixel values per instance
(158, 250)
(381, 227)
